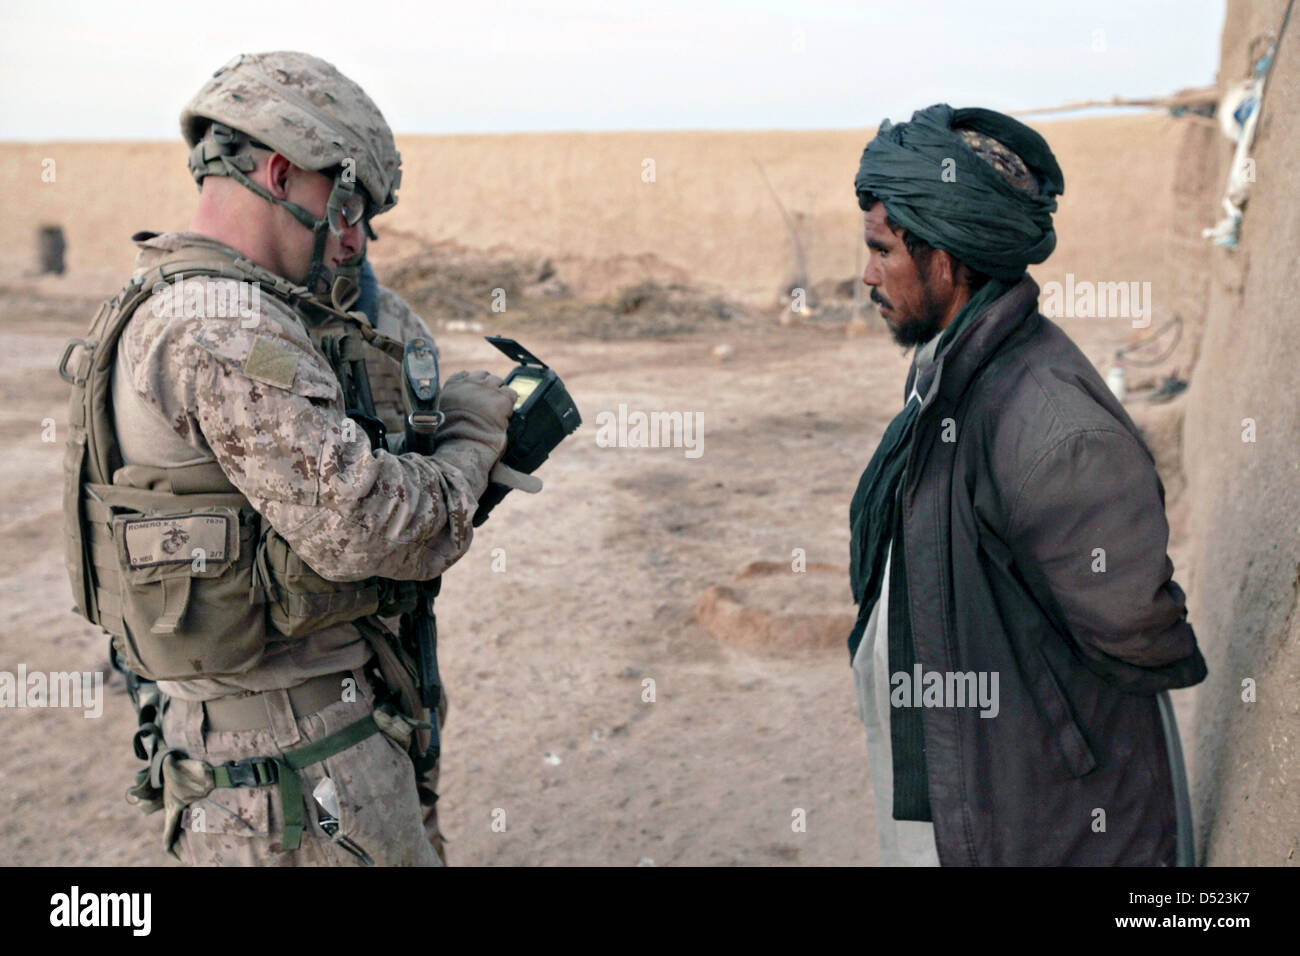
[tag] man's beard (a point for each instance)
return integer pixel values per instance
(916, 329)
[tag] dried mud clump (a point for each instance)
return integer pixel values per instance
(752, 611)
(446, 282)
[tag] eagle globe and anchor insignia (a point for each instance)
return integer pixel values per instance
(174, 539)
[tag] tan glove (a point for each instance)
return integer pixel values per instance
(477, 406)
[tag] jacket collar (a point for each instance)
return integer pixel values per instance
(977, 343)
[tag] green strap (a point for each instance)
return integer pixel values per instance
(294, 760)
(290, 806)
(257, 772)
(336, 742)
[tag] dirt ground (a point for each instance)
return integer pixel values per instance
(546, 662)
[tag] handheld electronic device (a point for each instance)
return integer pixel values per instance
(544, 415)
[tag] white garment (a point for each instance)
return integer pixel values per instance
(902, 842)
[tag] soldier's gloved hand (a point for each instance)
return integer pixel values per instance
(477, 406)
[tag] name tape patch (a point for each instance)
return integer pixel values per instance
(154, 541)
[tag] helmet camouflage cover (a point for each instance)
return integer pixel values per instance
(306, 110)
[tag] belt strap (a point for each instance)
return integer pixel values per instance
(261, 771)
(251, 711)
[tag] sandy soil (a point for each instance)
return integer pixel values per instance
(546, 661)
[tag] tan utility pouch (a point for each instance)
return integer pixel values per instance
(300, 601)
(173, 575)
(184, 583)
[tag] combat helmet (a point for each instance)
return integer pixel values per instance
(303, 108)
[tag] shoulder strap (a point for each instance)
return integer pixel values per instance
(346, 351)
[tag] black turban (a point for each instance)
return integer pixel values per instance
(964, 206)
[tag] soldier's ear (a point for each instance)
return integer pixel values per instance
(278, 171)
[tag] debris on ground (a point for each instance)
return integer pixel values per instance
(458, 288)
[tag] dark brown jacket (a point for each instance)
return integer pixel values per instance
(1002, 527)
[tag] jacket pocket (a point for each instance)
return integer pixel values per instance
(300, 601)
(184, 587)
(1064, 729)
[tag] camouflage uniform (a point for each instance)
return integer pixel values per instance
(379, 810)
(180, 395)
(193, 386)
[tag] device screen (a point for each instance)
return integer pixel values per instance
(524, 385)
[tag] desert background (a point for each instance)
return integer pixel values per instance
(641, 564)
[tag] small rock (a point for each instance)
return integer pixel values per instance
(553, 759)
(723, 352)
(645, 861)
(463, 325)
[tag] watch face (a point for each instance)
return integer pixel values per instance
(524, 385)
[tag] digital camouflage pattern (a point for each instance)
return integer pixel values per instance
(207, 376)
(254, 393)
(306, 110)
(279, 432)
(379, 813)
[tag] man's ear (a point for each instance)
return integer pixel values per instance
(277, 176)
(944, 268)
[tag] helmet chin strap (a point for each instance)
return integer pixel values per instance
(345, 290)
(218, 155)
(319, 278)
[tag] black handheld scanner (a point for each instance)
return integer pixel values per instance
(419, 627)
(544, 415)
(420, 385)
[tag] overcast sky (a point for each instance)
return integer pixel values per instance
(122, 70)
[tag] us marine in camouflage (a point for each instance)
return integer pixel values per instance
(237, 522)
